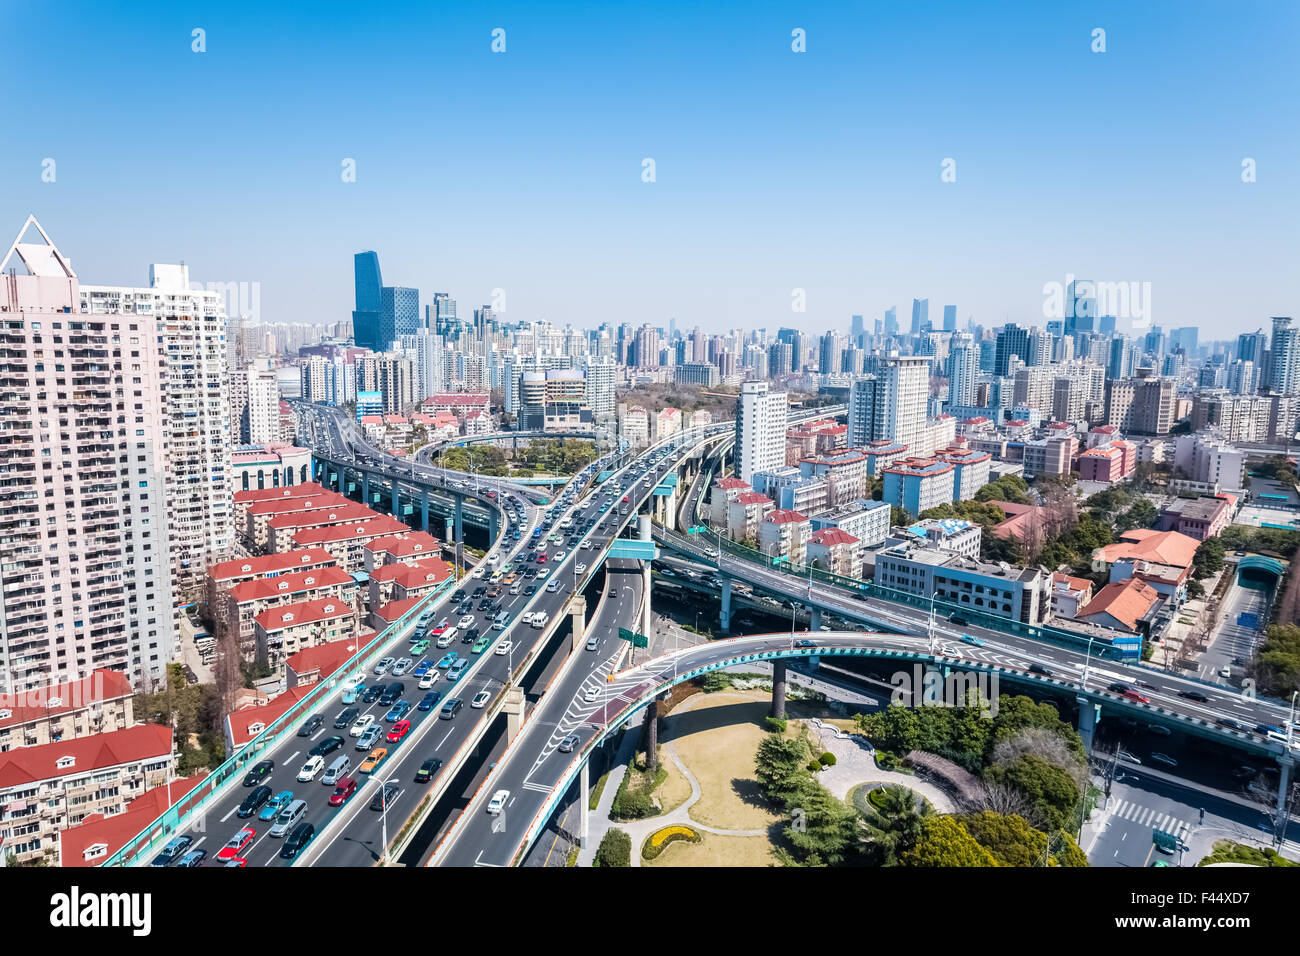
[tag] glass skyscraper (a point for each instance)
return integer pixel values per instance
(365, 319)
(399, 314)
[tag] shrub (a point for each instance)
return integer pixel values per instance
(775, 724)
(716, 681)
(660, 840)
(814, 766)
(827, 759)
(615, 849)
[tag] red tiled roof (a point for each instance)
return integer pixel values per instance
(304, 490)
(753, 498)
(239, 722)
(394, 609)
(457, 398)
(27, 765)
(326, 658)
(1075, 584)
(263, 588)
(1160, 547)
(417, 542)
(784, 516)
(829, 537)
(277, 506)
(316, 517)
(36, 704)
(728, 484)
(304, 612)
(429, 571)
(270, 564)
(1126, 601)
(113, 832)
(382, 525)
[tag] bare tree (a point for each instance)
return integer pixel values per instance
(1007, 801)
(1046, 745)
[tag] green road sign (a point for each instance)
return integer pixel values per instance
(637, 640)
(697, 529)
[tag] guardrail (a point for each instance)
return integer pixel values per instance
(135, 851)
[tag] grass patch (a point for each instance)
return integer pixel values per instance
(597, 790)
(1226, 851)
(635, 797)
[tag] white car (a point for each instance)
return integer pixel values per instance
(353, 682)
(498, 802)
(557, 556)
(311, 768)
(402, 666)
(477, 573)
(429, 679)
(466, 622)
(480, 700)
(580, 568)
(593, 693)
(382, 667)
(504, 648)
(361, 725)
(542, 573)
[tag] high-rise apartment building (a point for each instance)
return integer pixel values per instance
(391, 375)
(1011, 340)
(600, 387)
(191, 330)
(963, 368)
(1284, 357)
(85, 575)
(891, 404)
(760, 430)
(1144, 406)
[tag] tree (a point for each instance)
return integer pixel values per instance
(1010, 839)
(780, 767)
(1050, 788)
(1142, 514)
(1195, 589)
(1277, 667)
(615, 849)
(945, 842)
(1208, 559)
(893, 826)
(825, 825)
(1007, 488)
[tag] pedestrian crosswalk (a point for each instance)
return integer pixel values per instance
(1147, 817)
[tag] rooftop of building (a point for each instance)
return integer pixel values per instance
(1128, 602)
(331, 514)
(304, 612)
(262, 588)
(304, 490)
(1205, 508)
(80, 755)
(784, 516)
(270, 564)
(52, 700)
(325, 659)
(105, 835)
(1156, 547)
(831, 537)
(752, 498)
(404, 545)
(382, 525)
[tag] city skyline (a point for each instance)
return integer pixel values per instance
(761, 188)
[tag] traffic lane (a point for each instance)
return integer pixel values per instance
(1163, 686)
(478, 840)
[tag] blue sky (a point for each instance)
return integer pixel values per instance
(774, 170)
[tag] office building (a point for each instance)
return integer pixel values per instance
(368, 287)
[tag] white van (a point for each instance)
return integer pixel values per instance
(539, 619)
(553, 586)
(313, 766)
(288, 818)
(338, 768)
(500, 623)
(516, 588)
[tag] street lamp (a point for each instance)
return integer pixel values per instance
(383, 820)
(1087, 661)
(933, 595)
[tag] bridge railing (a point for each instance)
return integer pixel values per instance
(195, 803)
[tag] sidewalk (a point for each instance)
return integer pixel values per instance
(599, 822)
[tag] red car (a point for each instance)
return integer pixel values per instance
(236, 843)
(342, 791)
(541, 559)
(625, 500)
(441, 629)
(1131, 694)
(399, 731)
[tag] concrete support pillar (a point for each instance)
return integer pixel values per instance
(460, 518)
(644, 534)
(365, 489)
(815, 619)
(397, 501)
(514, 710)
(725, 616)
(493, 525)
(1088, 714)
(814, 662)
(1285, 763)
(584, 803)
(778, 689)
(652, 737)
(670, 521)
(424, 509)
(578, 620)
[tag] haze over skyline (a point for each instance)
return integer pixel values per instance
(819, 171)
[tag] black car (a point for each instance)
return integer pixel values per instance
(470, 636)
(386, 795)
(428, 770)
(1118, 687)
(372, 693)
(484, 604)
(311, 726)
(1195, 695)
(297, 841)
(530, 590)
(1229, 723)
(346, 718)
(459, 596)
(253, 802)
(176, 848)
(391, 693)
(479, 591)
(1241, 773)
(326, 746)
(260, 771)
(1039, 669)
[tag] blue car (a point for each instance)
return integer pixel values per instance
(429, 700)
(350, 696)
(276, 804)
(422, 668)
(399, 711)
(447, 660)
(970, 639)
